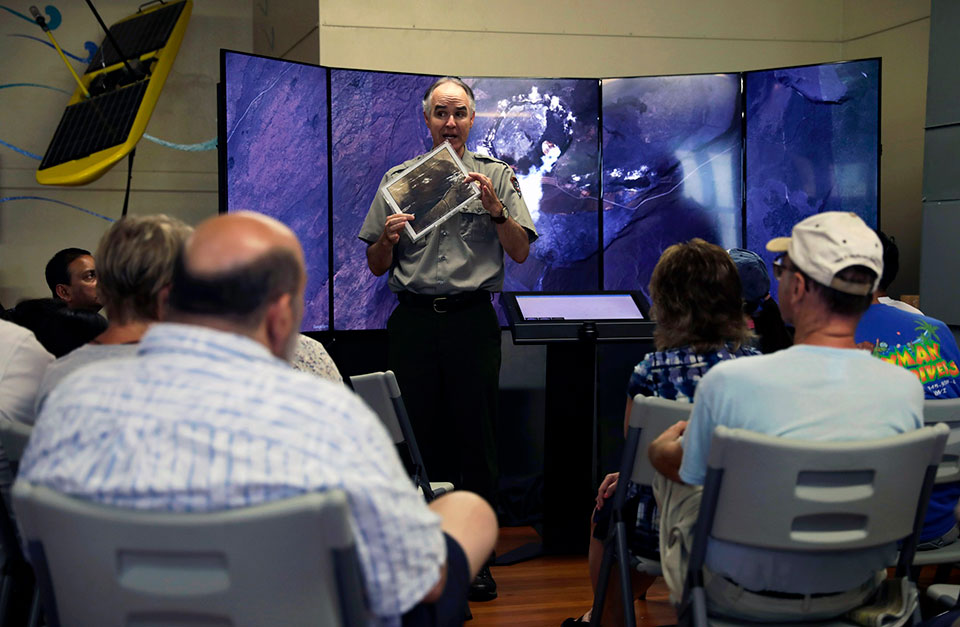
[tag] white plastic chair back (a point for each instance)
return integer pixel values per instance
(946, 411)
(289, 562)
(653, 415)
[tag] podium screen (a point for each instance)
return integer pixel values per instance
(579, 307)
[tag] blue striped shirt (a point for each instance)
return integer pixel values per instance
(204, 420)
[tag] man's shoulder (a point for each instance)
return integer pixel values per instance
(400, 167)
(491, 162)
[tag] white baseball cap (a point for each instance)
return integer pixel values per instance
(826, 243)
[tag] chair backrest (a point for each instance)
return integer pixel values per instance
(289, 562)
(13, 437)
(783, 494)
(652, 415)
(946, 411)
(378, 390)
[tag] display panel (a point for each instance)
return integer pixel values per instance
(673, 149)
(546, 129)
(377, 123)
(578, 307)
(276, 158)
(671, 169)
(812, 145)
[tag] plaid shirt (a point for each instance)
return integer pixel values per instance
(204, 420)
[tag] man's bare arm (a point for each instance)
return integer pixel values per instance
(665, 452)
(514, 240)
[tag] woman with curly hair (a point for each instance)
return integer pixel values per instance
(697, 305)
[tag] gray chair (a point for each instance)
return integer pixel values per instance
(811, 497)
(382, 393)
(649, 417)
(946, 411)
(289, 562)
(13, 438)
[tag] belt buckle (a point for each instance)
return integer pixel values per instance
(439, 305)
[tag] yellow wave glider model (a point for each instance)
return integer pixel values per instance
(109, 111)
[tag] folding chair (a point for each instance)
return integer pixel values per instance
(811, 497)
(289, 562)
(946, 411)
(382, 393)
(649, 417)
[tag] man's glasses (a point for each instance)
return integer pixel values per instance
(780, 266)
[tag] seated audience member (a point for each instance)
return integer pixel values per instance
(695, 291)
(821, 388)
(135, 259)
(72, 277)
(764, 314)
(891, 266)
(926, 347)
(185, 423)
(310, 356)
(57, 327)
(22, 363)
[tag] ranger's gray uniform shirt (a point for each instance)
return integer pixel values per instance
(464, 253)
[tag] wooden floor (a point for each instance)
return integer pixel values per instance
(547, 590)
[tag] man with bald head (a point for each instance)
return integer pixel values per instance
(208, 416)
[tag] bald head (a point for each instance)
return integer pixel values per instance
(241, 272)
(233, 240)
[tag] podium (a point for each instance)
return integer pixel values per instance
(571, 325)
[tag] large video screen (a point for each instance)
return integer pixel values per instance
(679, 153)
(377, 122)
(671, 170)
(276, 158)
(812, 145)
(545, 128)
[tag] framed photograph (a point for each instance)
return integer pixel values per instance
(431, 190)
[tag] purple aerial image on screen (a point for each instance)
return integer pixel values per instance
(812, 141)
(546, 129)
(671, 169)
(276, 124)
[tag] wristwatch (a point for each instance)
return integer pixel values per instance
(504, 215)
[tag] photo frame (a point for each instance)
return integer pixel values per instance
(432, 190)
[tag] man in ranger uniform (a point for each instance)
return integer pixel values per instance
(444, 337)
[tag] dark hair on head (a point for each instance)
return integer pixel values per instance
(448, 79)
(891, 260)
(695, 289)
(58, 268)
(240, 295)
(842, 303)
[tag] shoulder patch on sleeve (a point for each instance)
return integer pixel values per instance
(516, 184)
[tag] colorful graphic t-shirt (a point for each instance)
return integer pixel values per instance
(921, 344)
(926, 347)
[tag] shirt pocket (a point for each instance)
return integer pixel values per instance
(476, 225)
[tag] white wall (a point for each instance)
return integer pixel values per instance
(164, 180)
(899, 33)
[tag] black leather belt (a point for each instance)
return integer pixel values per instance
(444, 304)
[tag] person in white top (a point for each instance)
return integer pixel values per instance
(22, 364)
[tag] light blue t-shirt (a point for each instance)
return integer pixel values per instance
(806, 393)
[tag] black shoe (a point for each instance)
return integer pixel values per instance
(483, 588)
